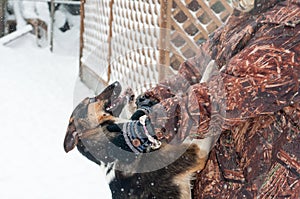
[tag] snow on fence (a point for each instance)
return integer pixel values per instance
(134, 42)
(15, 35)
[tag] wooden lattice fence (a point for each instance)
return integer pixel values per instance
(135, 42)
(193, 21)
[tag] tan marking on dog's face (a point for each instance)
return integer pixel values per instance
(97, 114)
(102, 115)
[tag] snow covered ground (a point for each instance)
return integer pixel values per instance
(37, 92)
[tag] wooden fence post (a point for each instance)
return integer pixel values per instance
(2, 17)
(52, 9)
(111, 18)
(164, 39)
(81, 43)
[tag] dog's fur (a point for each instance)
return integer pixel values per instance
(165, 173)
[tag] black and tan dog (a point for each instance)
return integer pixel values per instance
(98, 133)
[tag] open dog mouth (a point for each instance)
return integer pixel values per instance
(117, 102)
(114, 103)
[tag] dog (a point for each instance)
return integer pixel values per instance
(165, 172)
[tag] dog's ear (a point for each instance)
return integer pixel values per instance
(110, 92)
(71, 138)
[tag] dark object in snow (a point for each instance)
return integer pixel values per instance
(65, 27)
(73, 9)
(257, 55)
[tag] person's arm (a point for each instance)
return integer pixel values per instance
(261, 79)
(260, 75)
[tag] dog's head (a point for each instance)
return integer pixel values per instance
(92, 125)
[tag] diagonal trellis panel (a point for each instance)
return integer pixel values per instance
(122, 40)
(191, 22)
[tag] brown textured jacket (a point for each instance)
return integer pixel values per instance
(254, 98)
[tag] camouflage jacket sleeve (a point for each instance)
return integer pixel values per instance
(257, 59)
(190, 72)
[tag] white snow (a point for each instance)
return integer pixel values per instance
(37, 93)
